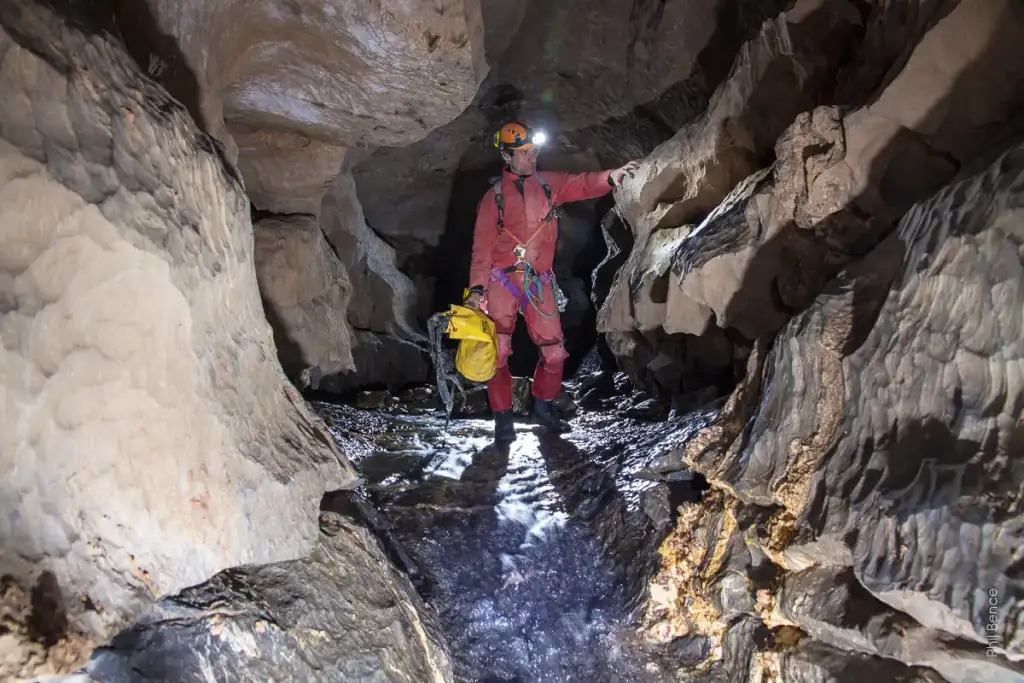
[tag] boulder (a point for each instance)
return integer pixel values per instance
(333, 615)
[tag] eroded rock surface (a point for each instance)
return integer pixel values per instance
(306, 293)
(149, 438)
(686, 177)
(286, 172)
(867, 489)
(344, 73)
(389, 345)
(839, 180)
(289, 90)
(386, 295)
(340, 613)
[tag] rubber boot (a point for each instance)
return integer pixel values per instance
(546, 416)
(504, 430)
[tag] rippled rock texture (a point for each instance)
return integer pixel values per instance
(148, 438)
(339, 614)
(741, 218)
(291, 91)
(867, 484)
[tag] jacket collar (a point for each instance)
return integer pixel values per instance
(512, 175)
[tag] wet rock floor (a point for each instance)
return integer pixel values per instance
(532, 555)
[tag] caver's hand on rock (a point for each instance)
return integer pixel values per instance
(617, 176)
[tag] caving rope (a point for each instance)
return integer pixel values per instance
(476, 358)
(444, 364)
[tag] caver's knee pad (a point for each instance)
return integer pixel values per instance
(553, 354)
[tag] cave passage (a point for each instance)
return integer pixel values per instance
(530, 554)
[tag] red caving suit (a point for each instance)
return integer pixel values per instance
(523, 218)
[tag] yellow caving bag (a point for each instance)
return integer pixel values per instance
(476, 358)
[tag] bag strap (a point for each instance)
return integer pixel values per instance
(552, 209)
(499, 200)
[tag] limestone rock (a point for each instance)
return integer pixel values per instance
(306, 293)
(390, 345)
(149, 438)
(333, 615)
(381, 359)
(386, 295)
(288, 88)
(908, 389)
(286, 172)
(864, 480)
(686, 177)
(342, 73)
(832, 607)
(838, 183)
(814, 662)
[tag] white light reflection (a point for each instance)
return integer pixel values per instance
(451, 460)
(525, 494)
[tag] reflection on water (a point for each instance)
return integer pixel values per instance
(516, 541)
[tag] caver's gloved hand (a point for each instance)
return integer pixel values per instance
(618, 175)
(475, 297)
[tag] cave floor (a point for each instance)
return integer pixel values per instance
(533, 556)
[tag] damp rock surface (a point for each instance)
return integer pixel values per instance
(339, 613)
(865, 474)
(148, 437)
(532, 555)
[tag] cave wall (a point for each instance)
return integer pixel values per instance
(865, 503)
(740, 219)
(866, 487)
(148, 437)
(292, 92)
(305, 290)
(609, 81)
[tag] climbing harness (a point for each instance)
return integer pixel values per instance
(533, 287)
(553, 213)
(533, 281)
(475, 359)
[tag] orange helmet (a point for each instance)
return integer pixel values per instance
(517, 135)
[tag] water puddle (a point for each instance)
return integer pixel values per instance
(515, 542)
